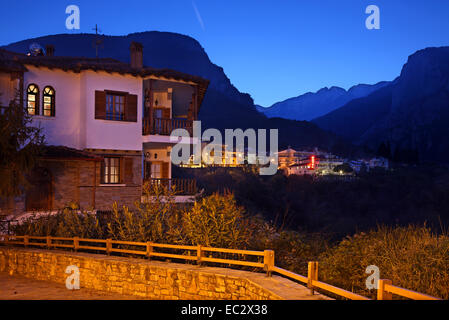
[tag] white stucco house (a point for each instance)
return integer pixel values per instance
(107, 125)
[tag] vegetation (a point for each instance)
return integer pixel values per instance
(402, 196)
(19, 144)
(412, 255)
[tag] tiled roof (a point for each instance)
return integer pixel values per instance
(62, 152)
(11, 61)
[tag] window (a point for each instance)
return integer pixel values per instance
(49, 102)
(156, 171)
(111, 170)
(115, 107)
(33, 99)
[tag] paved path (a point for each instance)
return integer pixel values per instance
(20, 288)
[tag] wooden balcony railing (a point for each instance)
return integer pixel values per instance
(181, 186)
(199, 254)
(164, 126)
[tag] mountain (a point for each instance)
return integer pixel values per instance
(313, 105)
(223, 106)
(410, 113)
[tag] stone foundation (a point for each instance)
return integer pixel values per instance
(148, 279)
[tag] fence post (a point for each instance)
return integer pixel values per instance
(6, 239)
(312, 275)
(382, 294)
(76, 243)
(149, 250)
(268, 261)
(108, 246)
(199, 254)
(48, 242)
(25, 241)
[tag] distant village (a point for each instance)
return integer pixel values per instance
(298, 162)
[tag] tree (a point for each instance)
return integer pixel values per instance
(345, 168)
(19, 146)
(384, 150)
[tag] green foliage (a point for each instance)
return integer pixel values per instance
(402, 196)
(412, 257)
(157, 220)
(19, 145)
(66, 223)
(216, 221)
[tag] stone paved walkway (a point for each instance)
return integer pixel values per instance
(21, 288)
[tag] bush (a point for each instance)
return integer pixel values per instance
(411, 257)
(157, 220)
(217, 221)
(66, 223)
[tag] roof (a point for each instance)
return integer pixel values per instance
(12, 61)
(8, 64)
(66, 153)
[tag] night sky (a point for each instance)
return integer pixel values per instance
(271, 49)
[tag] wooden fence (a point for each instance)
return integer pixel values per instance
(265, 260)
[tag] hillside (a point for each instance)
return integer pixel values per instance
(411, 113)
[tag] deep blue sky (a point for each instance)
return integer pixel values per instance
(271, 49)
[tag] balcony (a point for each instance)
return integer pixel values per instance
(181, 186)
(164, 126)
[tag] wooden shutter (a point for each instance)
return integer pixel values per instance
(122, 171)
(100, 105)
(128, 170)
(131, 108)
(165, 174)
(166, 113)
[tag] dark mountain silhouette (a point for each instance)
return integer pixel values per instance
(223, 106)
(313, 105)
(411, 114)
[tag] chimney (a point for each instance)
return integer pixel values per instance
(136, 51)
(50, 50)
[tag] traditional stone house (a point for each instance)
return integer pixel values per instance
(106, 123)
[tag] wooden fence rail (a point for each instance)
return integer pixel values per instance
(265, 260)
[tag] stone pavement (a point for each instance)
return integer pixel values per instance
(20, 288)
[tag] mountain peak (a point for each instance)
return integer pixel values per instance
(313, 105)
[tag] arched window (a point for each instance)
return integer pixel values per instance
(49, 102)
(33, 99)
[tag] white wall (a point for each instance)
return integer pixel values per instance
(64, 128)
(75, 125)
(110, 134)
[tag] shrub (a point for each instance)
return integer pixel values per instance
(65, 223)
(412, 257)
(157, 220)
(216, 221)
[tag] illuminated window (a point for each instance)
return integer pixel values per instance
(49, 102)
(111, 170)
(33, 99)
(156, 172)
(115, 107)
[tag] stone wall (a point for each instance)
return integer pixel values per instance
(79, 182)
(139, 277)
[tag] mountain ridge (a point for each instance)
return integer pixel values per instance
(412, 115)
(311, 105)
